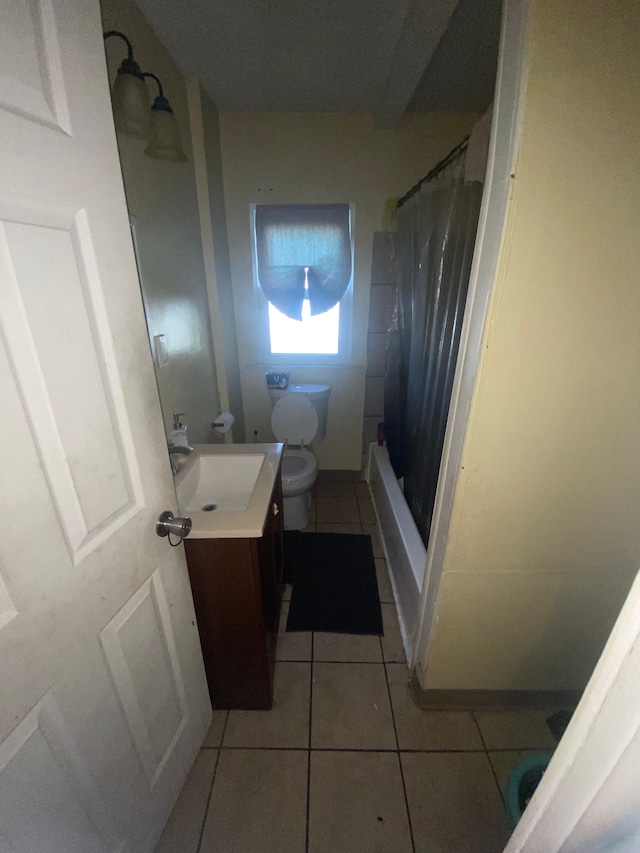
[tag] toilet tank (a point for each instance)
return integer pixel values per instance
(319, 397)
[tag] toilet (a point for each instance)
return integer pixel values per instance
(299, 417)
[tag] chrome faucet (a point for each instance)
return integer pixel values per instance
(177, 450)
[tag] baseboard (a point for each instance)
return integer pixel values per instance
(475, 700)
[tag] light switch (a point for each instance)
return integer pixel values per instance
(162, 356)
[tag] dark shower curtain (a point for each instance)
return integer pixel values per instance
(433, 249)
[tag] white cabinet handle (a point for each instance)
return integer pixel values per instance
(275, 509)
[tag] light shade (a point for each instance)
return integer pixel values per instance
(130, 101)
(164, 142)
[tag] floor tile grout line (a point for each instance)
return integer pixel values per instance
(493, 772)
(213, 779)
(349, 662)
(491, 749)
(344, 662)
(395, 732)
(411, 751)
(306, 837)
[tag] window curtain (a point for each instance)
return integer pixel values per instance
(433, 251)
(302, 246)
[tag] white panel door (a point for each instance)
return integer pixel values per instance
(103, 700)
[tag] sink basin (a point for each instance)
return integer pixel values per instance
(226, 489)
(219, 483)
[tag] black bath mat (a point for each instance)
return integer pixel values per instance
(335, 587)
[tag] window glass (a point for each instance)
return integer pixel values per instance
(318, 334)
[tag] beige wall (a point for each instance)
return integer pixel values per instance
(162, 197)
(545, 538)
(312, 158)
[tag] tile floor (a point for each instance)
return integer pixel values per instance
(345, 761)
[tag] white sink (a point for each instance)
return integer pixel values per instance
(219, 483)
(225, 489)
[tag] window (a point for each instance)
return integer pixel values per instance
(303, 263)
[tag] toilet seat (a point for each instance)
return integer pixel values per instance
(299, 471)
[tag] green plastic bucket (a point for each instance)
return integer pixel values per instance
(523, 781)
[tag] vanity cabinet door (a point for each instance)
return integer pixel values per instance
(270, 560)
(237, 589)
(226, 595)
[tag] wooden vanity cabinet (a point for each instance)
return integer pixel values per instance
(237, 589)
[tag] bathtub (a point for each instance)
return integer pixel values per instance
(404, 549)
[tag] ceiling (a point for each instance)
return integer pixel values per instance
(462, 71)
(376, 56)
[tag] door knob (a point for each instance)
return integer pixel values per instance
(275, 509)
(167, 524)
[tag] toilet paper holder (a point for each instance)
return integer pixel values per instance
(223, 422)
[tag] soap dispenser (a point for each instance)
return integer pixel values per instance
(178, 435)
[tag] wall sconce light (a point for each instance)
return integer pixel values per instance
(133, 115)
(164, 143)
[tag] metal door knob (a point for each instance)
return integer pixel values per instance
(167, 523)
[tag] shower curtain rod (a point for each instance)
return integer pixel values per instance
(439, 167)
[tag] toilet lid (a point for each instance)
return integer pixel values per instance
(294, 419)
